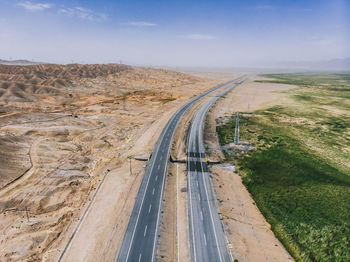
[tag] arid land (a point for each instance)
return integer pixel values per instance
(61, 129)
(66, 131)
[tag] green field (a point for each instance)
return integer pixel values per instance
(299, 175)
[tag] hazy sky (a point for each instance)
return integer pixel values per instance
(175, 32)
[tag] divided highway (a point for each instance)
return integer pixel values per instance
(207, 238)
(140, 240)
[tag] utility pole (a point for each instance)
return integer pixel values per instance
(130, 165)
(237, 128)
(124, 101)
(236, 137)
(27, 213)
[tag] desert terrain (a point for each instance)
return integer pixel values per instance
(69, 137)
(61, 129)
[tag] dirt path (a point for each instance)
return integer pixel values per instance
(34, 160)
(248, 232)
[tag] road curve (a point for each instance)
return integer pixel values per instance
(140, 239)
(207, 238)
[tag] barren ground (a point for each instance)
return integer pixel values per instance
(61, 129)
(67, 130)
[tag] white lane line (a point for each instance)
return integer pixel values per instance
(143, 198)
(158, 167)
(191, 211)
(156, 177)
(161, 157)
(177, 215)
(149, 210)
(202, 215)
(205, 239)
(199, 197)
(140, 257)
(144, 233)
(197, 183)
(153, 191)
(211, 215)
(159, 208)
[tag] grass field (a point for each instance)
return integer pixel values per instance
(299, 175)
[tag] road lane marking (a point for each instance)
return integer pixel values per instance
(196, 130)
(153, 191)
(202, 215)
(158, 217)
(211, 216)
(199, 197)
(205, 239)
(177, 215)
(139, 211)
(149, 210)
(144, 233)
(156, 177)
(158, 167)
(161, 157)
(191, 211)
(140, 257)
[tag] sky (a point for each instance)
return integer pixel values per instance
(201, 33)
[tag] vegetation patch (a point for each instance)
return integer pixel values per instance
(299, 175)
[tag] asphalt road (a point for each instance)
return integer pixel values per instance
(140, 239)
(207, 237)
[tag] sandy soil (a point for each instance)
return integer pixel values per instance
(62, 127)
(248, 232)
(173, 237)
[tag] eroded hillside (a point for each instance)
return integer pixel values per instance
(61, 128)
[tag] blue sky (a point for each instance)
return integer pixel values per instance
(175, 33)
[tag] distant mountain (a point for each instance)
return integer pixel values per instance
(338, 63)
(333, 64)
(19, 62)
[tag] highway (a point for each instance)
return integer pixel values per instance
(207, 237)
(140, 239)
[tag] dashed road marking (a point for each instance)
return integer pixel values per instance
(144, 233)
